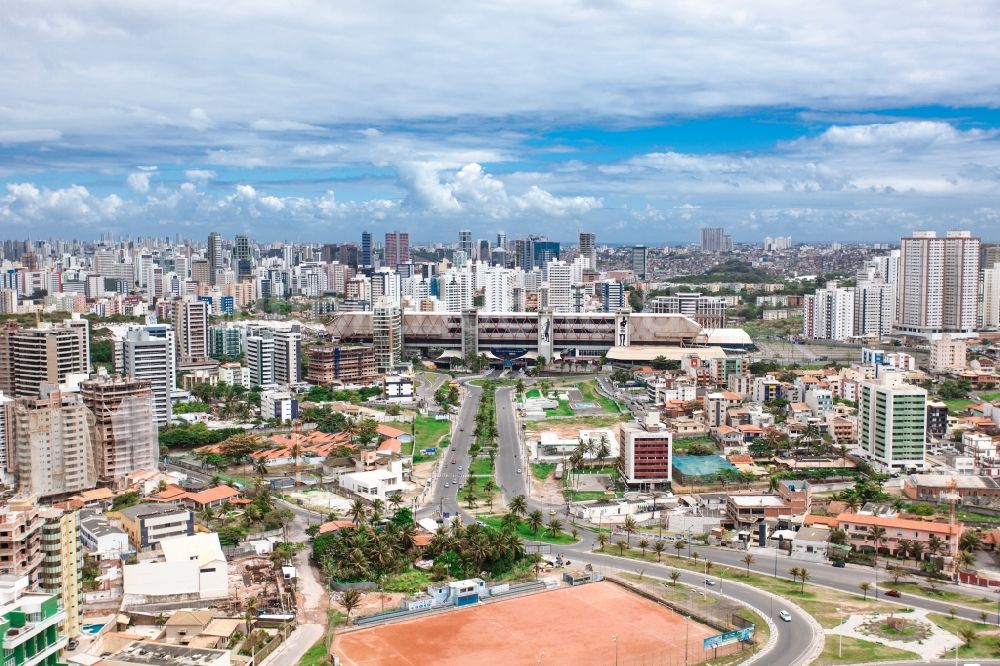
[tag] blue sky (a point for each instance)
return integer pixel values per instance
(640, 121)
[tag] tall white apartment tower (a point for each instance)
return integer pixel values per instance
(147, 352)
(938, 287)
(560, 281)
(499, 290)
(588, 248)
(191, 328)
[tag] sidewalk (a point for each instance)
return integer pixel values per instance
(937, 642)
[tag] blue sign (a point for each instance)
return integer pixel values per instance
(744, 634)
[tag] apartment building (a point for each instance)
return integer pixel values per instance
(647, 447)
(892, 422)
(21, 539)
(147, 353)
(938, 287)
(31, 625)
(328, 364)
(45, 355)
(709, 311)
(148, 524)
(947, 354)
(54, 445)
(191, 328)
(62, 564)
(125, 434)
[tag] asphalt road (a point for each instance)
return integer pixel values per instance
(511, 455)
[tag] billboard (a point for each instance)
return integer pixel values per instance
(744, 634)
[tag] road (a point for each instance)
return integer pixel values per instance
(511, 455)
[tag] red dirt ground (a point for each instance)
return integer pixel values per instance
(571, 626)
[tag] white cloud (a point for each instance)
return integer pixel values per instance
(199, 175)
(139, 181)
(27, 135)
(263, 125)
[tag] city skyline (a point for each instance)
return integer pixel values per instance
(651, 132)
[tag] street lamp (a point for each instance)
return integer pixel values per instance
(614, 638)
(840, 649)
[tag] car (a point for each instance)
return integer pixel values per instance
(453, 461)
(73, 644)
(840, 564)
(459, 468)
(518, 470)
(447, 485)
(709, 582)
(785, 615)
(893, 593)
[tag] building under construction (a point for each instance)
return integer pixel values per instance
(124, 426)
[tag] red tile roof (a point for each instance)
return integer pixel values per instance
(209, 495)
(901, 523)
(335, 525)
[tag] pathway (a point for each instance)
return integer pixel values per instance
(929, 648)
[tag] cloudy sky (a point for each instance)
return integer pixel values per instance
(311, 120)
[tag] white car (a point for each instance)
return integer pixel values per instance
(785, 615)
(518, 470)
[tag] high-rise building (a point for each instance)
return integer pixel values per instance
(327, 364)
(892, 422)
(938, 288)
(484, 251)
(387, 336)
(612, 295)
(542, 252)
(225, 342)
(46, 355)
(260, 358)
(201, 271)
(213, 254)
(947, 354)
(288, 355)
(560, 281)
(715, 239)
(35, 641)
(397, 248)
(465, 242)
(243, 256)
(147, 353)
(6, 420)
(990, 317)
(62, 564)
(52, 438)
(124, 426)
(366, 250)
(647, 451)
(640, 257)
(498, 294)
(709, 311)
(588, 248)
(829, 313)
(191, 328)
(874, 307)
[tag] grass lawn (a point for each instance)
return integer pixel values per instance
(608, 469)
(990, 397)
(983, 645)
(921, 590)
(588, 389)
(430, 430)
(957, 405)
(317, 655)
(408, 582)
(590, 421)
(481, 467)
(533, 393)
(562, 410)
(856, 651)
(681, 445)
(542, 471)
(525, 532)
(584, 495)
(442, 445)
(479, 493)
(820, 602)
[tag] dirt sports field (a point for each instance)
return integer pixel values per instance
(571, 626)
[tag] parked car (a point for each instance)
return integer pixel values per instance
(709, 582)
(840, 564)
(893, 593)
(785, 615)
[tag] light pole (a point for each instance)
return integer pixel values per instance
(840, 648)
(614, 637)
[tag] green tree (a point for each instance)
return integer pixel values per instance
(674, 576)
(865, 586)
(535, 521)
(658, 548)
(748, 560)
(350, 599)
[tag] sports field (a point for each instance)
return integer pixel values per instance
(579, 626)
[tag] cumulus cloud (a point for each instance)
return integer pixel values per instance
(199, 175)
(139, 181)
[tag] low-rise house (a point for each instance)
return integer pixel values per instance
(102, 538)
(148, 524)
(972, 490)
(376, 484)
(184, 625)
(811, 543)
(858, 528)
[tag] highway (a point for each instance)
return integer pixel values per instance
(511, 455)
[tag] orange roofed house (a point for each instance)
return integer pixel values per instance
(858, 527)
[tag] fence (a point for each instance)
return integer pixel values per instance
(272, 645)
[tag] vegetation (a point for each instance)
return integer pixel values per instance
(125, 500)
(542, 471)
(979, 639)
(195, 435)
(728, 271)
(856, 651)
(330, 394)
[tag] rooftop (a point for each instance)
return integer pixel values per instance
(162, 654)
(701, 465)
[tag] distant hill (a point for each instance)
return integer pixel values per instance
(729, 271)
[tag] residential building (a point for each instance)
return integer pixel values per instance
(971, 489)
(587, 248)
(147, 353)
(273, 356)
(937, 419)
(225, 342)
(990, 316)
(148, 524)
(387, 336)
(715, 239)
(101, 538)
(46, 354)
(938, 287)
(874, 308)
(260, 359)
(62, 564)
(125, 434)
(892, 422)
(278, 405)
(858, 528)
(6, 439)
(31, 625)
(191, 328)
(327, 364)
(214, 255)
(639, 260)
(647, 448)
(397, 248)
(21, 539)
(947, 354)
(377, 484)
(560, 280)
(829, 313)
(612, 295)
(54, 444)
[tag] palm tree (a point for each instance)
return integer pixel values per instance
(621, 546)
(602, 539)
(876, 535)
(708, 567)
(659, 547)
(470, 494)
(970, 540)
(535, 521)
(968, 634)
(935, 545)
(350, 599)
(674, 576)
(378, 506)
(395, 500)
(852, 503)
(865, 586)
(629, 526)
(966, 559)
(643, 545)
(794, 572)
(748, 560)
(555, 525)
(358, 511)
(207, 514)
(518, 506)
(694, 556)
(916, 549)
(803, 577)
(679, 546)
(489, 488)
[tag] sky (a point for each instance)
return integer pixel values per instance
(310, 120)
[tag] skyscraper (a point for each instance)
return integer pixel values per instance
(892, 422)
(387, 336)
(191, 328)
(46, 355)
(243, 257)
(559, 283)
(938, 287)
(124, 426)
(397, 248)
(465, 242)
(214, 253)
(640, 255)
(147, 352)
(715, 239)
(588, 248)
(366, 249)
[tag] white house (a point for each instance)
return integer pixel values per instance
(193, 567)
(550, 446)
(377, 484)
(102, 538)
(811, 543)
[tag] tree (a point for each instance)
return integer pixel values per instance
(350, 599)
(694, 556)
(968, 635)
(951, 611)
(838, 536)
(535, 521)
(708, 567)
(555, 525)
(602, 539)
(966, 559)
(876, 535)
(358, 511)
(970, 540)
(629, 526)
(489, 488)
(865, 586)
(794, 573)
(470, 494)
(935, 545)
(748, 560)
(803, 577)
(679, 546)
(659, 547)
(674, 576)
(643, 545)
(518, 506)
(621, 546)
(896, 573)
